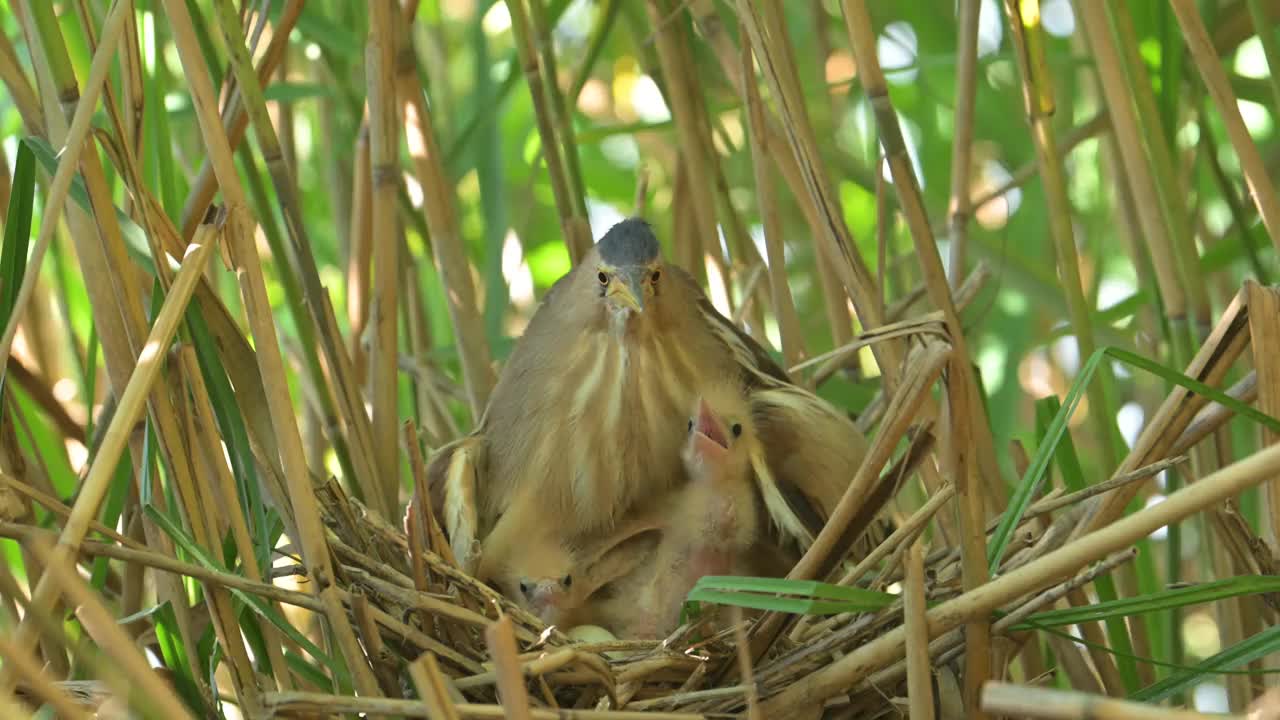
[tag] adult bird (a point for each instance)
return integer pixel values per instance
(589, 413)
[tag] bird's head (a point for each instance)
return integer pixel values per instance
(628, 268)
(720, 431)
(546, 597)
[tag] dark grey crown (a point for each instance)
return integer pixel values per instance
(630, 242)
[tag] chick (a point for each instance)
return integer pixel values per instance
(553, 578)
(709, 525)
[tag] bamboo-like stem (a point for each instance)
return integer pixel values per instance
(130, 407)
(552, 152)
(919, 673)
(889, 647)
(784, 308)
(384, 164)
(1215, 79)
(68, 164)
(243, 254)
(964, 407)
(962, 140)
(440, 207)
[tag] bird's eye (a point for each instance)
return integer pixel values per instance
(567, 582)
(656, 274)
(737, 429)
(690, 428)
(604, 279)
(526, 587)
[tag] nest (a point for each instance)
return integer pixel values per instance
(431, 608)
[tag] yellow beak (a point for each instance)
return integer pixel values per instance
(620, 292)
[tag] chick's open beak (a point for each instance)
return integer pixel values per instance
(709, 436)
(629, 293)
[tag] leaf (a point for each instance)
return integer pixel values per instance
(1155, 602)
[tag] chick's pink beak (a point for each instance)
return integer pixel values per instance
(709, 438)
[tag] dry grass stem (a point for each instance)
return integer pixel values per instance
(919, 672)
(1006, 699)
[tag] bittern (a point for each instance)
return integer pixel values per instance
(588, 415)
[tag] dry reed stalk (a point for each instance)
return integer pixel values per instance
(919, 672)
(1215, 79)
(68, 164)
(1161, 434)
(577, 243)
(360, 252)
(221, 493)
(243, 254)
(106, 632)
(441, 210)
(961, 207)
(502, 648)
(889, 647)
(969, 433)
(784, 308)
(30, 673)
(130, 407)
(1138, 174)
(432, 688)
(295, 703)
(683, 95)
(830, 229)
(832, 542)
(1049, 704)
(1264, 303)
(384, 163)
(1171, 189)
(158, 561)
(236, 120)
(1039, 103)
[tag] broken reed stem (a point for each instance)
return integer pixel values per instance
(919, 672)
(243, 255)
(384, 164)
(972, 455)
(1215, 79)
(129, 409)
(68, 164)
(888, 648)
